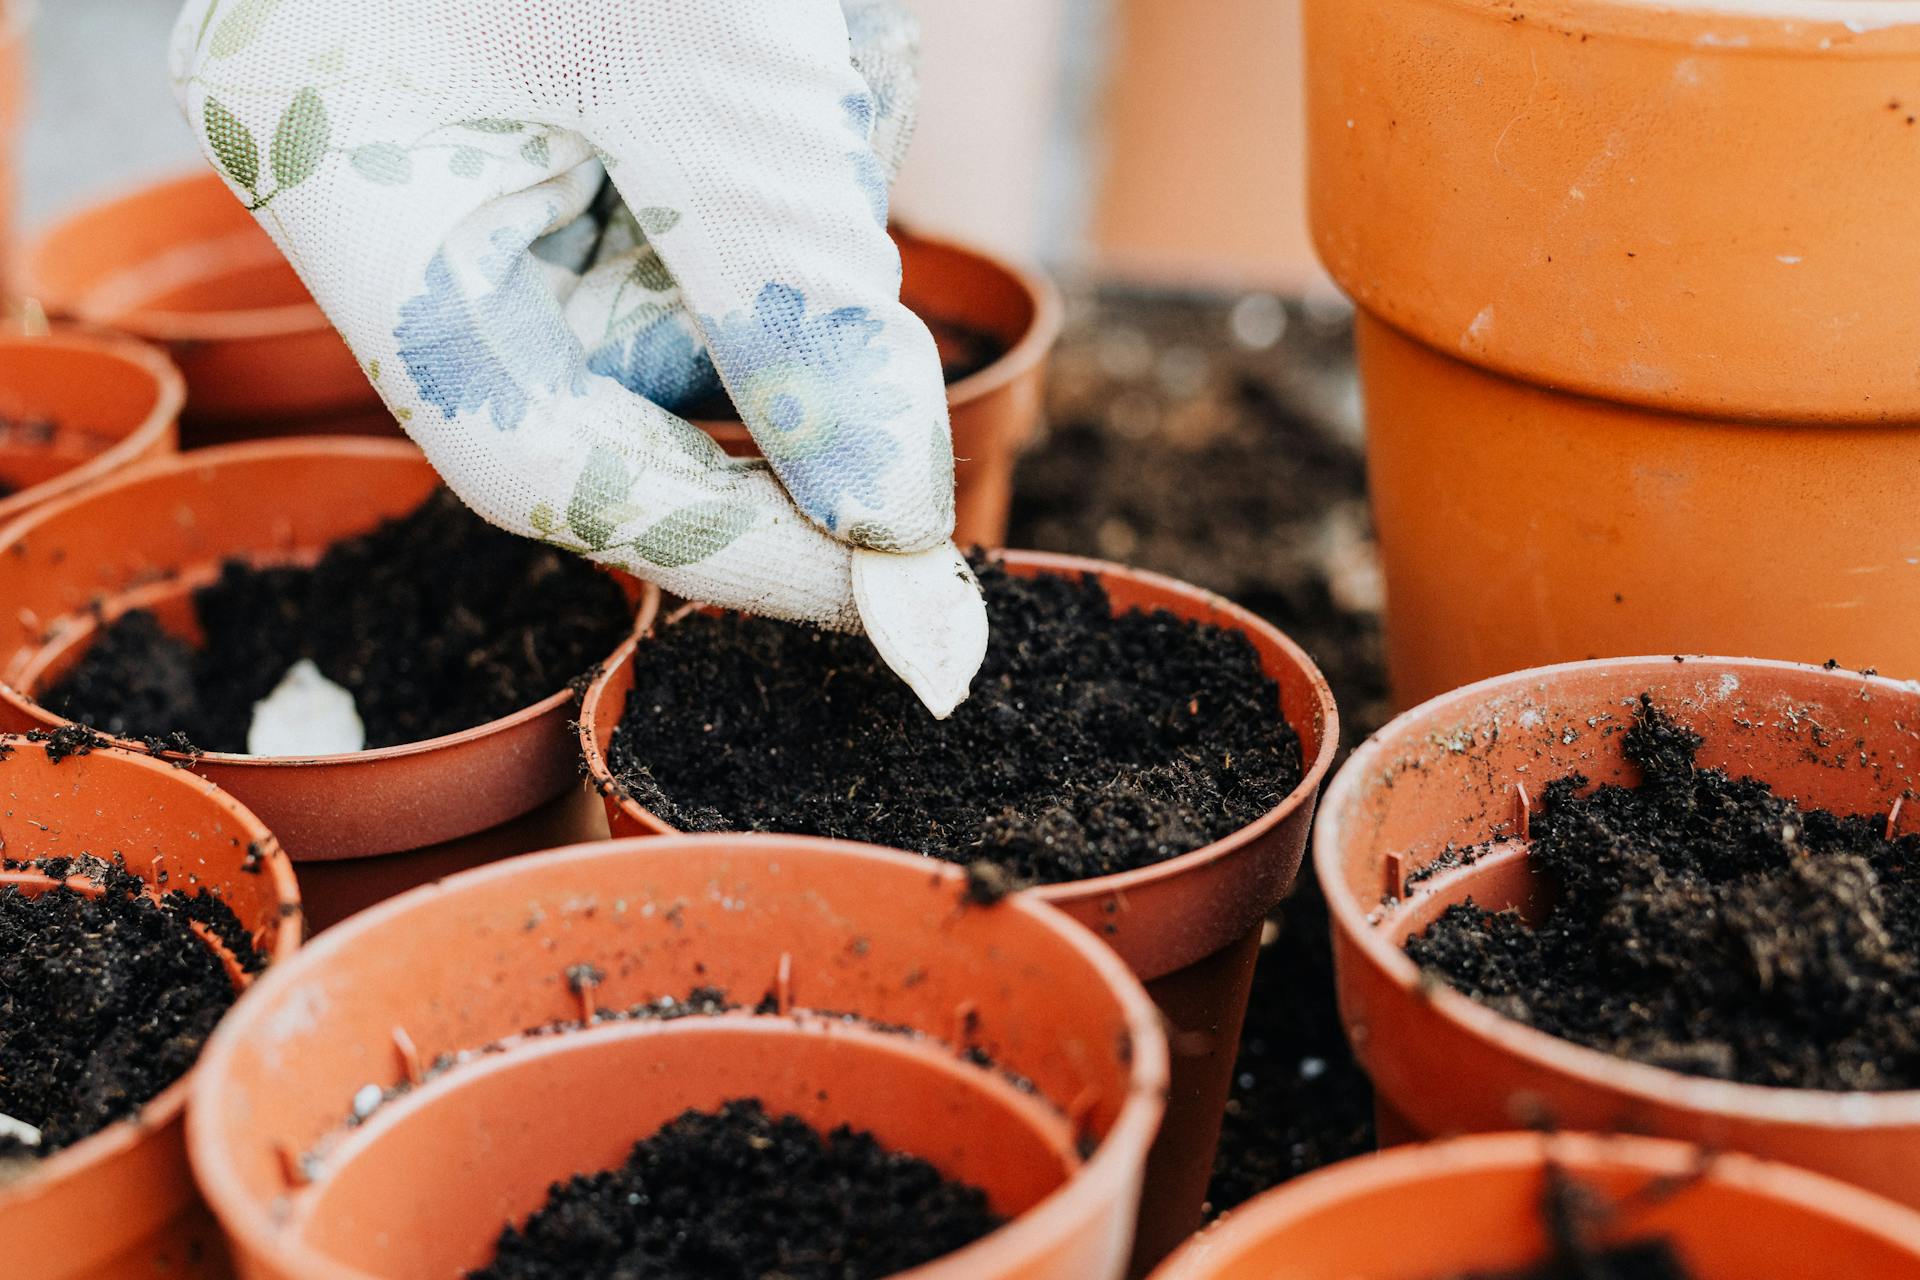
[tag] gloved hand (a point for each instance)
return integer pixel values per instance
(438, 172)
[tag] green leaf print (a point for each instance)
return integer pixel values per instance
(656, 220)
(232, 144)
(242, 23)
(649, 272)
(467, 162)
(382, 162)
(599, 497)
(542, 518)
(534, 150)
(300, 140)
(694, 532)
(488, 125)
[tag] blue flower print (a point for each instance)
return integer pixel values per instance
(868, 173)
(494, 351)
(810, 385)
(660, 361)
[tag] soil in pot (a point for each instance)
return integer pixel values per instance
(1646, 1261)
(737, 1194)
(105, 999)
(1705, 924)
(1091, 743)
(435, 622)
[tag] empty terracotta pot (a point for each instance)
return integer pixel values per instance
(120, 1204)
(149, 537)
(1474, 1205)
(183, 264)
(77, 406)
(1446, 775)
(1664, 404)
(992, 412)
(914, 977)
(1189, 926)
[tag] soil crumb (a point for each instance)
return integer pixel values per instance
(104, 1001)
(1707, 925)
(740, 1195)
(435, 622)
(1091, 743)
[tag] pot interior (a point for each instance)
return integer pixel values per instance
(425, 1186)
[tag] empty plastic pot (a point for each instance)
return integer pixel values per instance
(1450, 775)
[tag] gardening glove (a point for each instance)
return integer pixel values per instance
(542, 228)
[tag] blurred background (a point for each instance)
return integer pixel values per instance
(1202, 418)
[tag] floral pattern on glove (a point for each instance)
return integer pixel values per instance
(493, 351)
(810, 386)
(661, 361)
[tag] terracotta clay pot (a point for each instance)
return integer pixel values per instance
(1474, 1205)
(992, 412)
(120, 1204)
(476, 961)
(183, 264)
(110, 401)
(1449, 774)
(1189, 926)
(149, 537)
(1667, 388)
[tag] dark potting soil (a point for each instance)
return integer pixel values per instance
(105, 1001)
(1642, 1260)
(1707, 925)
(740, 1195)
(435, 622)
(1091, 743)
(1298, 1100)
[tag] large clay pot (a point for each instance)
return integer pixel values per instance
(1636, 333)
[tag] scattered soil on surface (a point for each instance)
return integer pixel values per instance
(1197, 458)
(1299, 1099)
(435, 622)
(104, 1001)
(1091, 743)
(1707, 925)
(1643, 1260)
(740, 1195)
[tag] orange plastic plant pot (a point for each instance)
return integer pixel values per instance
(182, 263)
(121, 1204)
(1189, 926)
(1448, 775)
(1632, 386)
(914, 975)
(1475, 1205)
(149, 536)
(992, 413)
(110, 401)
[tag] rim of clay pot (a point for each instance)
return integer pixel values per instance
(152, 431)
(248, 1217)
(1834, 28)
(277, 870)
(1830, 1109)
(1244, 1237)
(646, 606)
(1119, 883)
(41, 275)
(1034, 344)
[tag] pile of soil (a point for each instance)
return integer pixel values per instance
(1299, 1100)
(740, 1195)
(104, 1001)
(1091, 743)
(1203, 460)
(435, 622)
(1707, 925)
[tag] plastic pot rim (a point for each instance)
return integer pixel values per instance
(1832, 28)
(1836, 1110)
(160, 325)
(1135, 1123)
(1406, 1166)
(646, 607)
(165, 1107)
(170, 394)
(1118, 883)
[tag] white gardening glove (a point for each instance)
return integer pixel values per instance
(435, 168)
